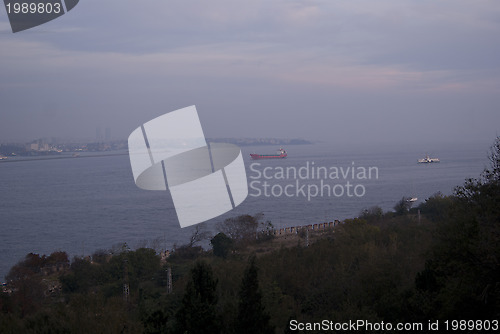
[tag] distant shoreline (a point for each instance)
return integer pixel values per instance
(260, 141)
(236, 141)
(58, 157)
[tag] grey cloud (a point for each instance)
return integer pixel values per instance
(321, 68)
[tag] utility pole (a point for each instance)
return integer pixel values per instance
(126, 287)
(169, 280)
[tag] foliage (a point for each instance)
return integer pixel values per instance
(221, 245)
(197, 313)
(461, 277)
(241, 229)
(34, 264)
(374, 213)
(199, 234)
(265, 232)
(101, 256)
(157, 310)
(187, 252)
(437, 207)
(403, 206)
(24, 278)
(252, 317)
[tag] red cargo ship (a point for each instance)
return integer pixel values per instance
(279, 155)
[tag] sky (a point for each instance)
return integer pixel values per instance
(336, 71)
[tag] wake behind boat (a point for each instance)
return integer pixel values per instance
(279, 155)
(427, 160)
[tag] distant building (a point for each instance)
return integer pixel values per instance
(98, 134)
(107, 134)
(32, 147)
(39, 146)
(43, 147)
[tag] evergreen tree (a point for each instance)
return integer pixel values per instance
(197, 313)
(221, 244)
(252, 318)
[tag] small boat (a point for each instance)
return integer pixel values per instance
(279, 155)
(427, 160)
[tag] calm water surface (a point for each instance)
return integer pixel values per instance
(80, 205)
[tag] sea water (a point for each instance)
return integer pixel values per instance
(80, 205)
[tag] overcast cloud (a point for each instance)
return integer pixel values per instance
(359, 71)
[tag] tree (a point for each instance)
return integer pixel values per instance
(373, 213)
(252, 317)
(81, 277)
(462, 274)
(58, 257)
(403, 206)
(493, 175)
(199, 234)
(437, 207)
(156, 322)
(101, 256)
(197, 313)
(221, 244)
(241, 228)
(266, 231)
(25, 280)
(143, 264)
